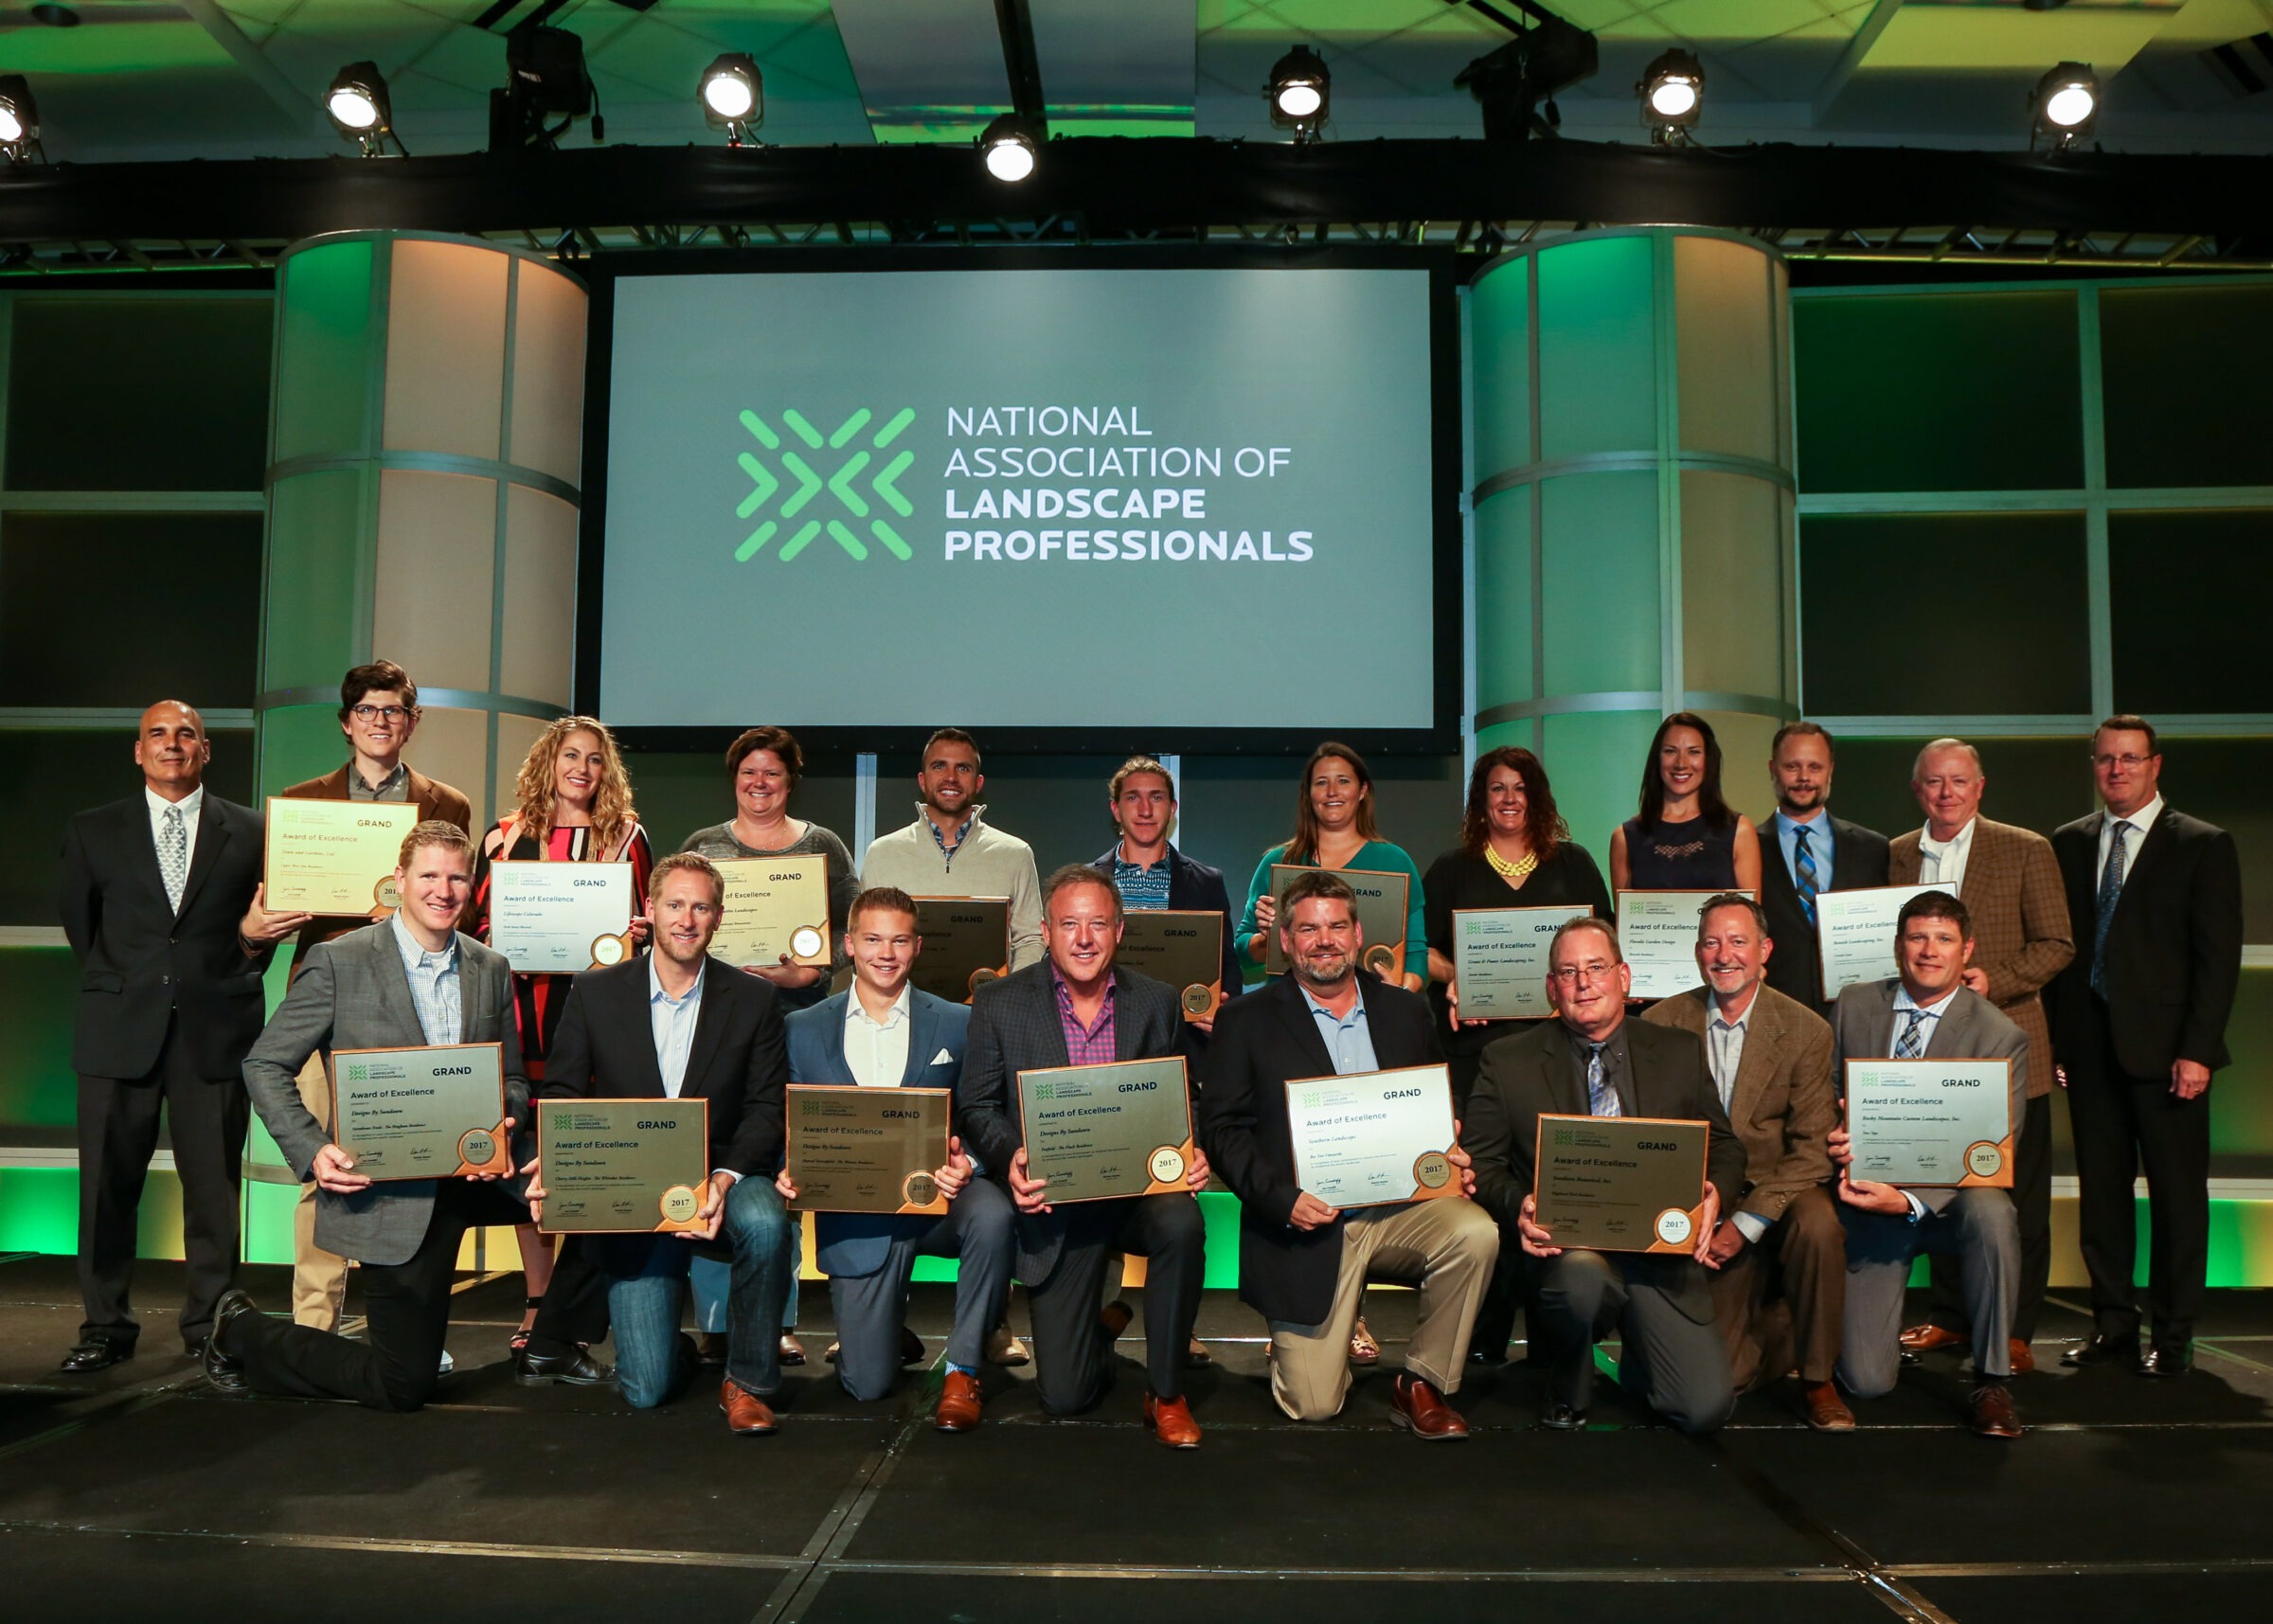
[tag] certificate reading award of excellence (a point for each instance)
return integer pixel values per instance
(1371, 1138)
(1658, 933)
(1931, 1122)
(966, 944)
(866, 1150)
(1096, 1131)
(423, 1113)
(1182, 948)
(333, 857)
(622, 1166)
(1380, 918)
(1499, 959)
(1621, 1184)
(774, 906)
(556, 919)
(1855, 931)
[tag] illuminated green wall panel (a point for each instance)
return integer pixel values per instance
(1499, 367)
(1598, 345)
(1504, 597)
(1599, 588)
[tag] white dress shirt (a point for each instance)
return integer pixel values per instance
(191, 804)
(2141, 821)
(1725, 1052)
(1942, 862)
(673, 1021)
(876, 1051)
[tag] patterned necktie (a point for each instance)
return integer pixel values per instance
(1909, 1046)
(1803, 873)
(2111, 889)
(173, 857)
(1601, 1099)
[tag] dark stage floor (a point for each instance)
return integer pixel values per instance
(137, 1493)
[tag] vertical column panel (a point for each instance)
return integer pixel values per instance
(445, 348)
(431, 607)
(1729, 387)
(1598, 347)
(547, 426)
(1504, 599)
(1500, 366)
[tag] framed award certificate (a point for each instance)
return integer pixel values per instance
(1380, 918)
(333, 857)
(1658, 933)
(774, 906)
(966, 944)
(1499, 959)
(1621, 1184)
(556, 919)
(1855, 933)
(1931, 1122)
(866, 1150)
(1096, 1131)
(622, 1166)
(423, 1113)
(1182, 948)
(1373, 1138)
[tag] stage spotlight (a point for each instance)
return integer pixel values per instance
(357, 102)
(1011, 147)
(1673, 93)
(733, 96)
(2065, 104)
(1297, 92)
(19, 118)
(1512, 82)
(546, 78)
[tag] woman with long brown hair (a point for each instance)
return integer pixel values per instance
(1685, 837)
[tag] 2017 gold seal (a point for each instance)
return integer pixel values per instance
(1432, 1170)
(680, 1204)
(919, 1189)
(1198, 1000)
(386, 893)
(1381, 959)
(608, 950)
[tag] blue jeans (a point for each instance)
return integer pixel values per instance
(645, 1307)
(711, 1277)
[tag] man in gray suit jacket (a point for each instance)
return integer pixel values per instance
(1926, 1012)
(408, 982)
(883, 1034)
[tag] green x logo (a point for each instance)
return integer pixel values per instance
(766, 484)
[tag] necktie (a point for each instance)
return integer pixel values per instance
(1601, 1099)
(1909, 1046)
(173, 857)
(1803, 873)
(2111, 889)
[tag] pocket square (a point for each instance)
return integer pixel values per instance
(942, 1057)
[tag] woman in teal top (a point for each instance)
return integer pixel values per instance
(1334, 828)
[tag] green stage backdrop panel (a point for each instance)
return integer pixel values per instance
(2241, 1107)
(1504, 599)
(39, 993)
(1500, 368)
(1598, 348)
(2225, 782)
(2189, 591)
(1604, 627)
(1968, 390)
(2185, 370)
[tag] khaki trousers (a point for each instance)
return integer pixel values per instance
(1448, 1247)
(319, 1278)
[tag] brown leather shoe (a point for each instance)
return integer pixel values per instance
(1421, 1411)
(1927, 1338)
(1992, 1412)
(1171, 1420)
(959, 1404)
(2023, 1356)
(746, 1412)
(1826, 1411)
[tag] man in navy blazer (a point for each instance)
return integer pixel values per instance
(883, 1034)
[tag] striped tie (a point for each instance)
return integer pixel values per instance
(1804, 871)
(1601, 1099)
(2111, 890)
(1909, 1046)
(173, 857)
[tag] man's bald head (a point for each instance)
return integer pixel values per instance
(172, 749)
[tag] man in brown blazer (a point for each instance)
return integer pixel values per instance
(1781, 1290)
(378, 713)
(2009, 881)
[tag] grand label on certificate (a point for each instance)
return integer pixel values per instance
(866, 1150)
(1621, 1184)
(1381, 916)
(1931, 1122)
(1499, 959)
(424, 1113)
(1856, 931)
(1182, 948)
(1371, 1138)
(556, 919)
(774, 906)
(966, 944)
(1658, 934)
(333, 857)
(1094, 1132)
(619, 1165)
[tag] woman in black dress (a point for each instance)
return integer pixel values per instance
(1685, 837)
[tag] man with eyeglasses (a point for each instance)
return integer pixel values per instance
(378, 713)
(2139, 1022)
(1593, 1061)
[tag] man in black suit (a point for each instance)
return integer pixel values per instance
(2140, 1023)
(1804, 852)
(1077, 1009)
(161, 901)
(1594, 1062)
(680, 1025)
(1302, 1263)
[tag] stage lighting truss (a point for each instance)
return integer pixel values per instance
(358, 107)
(2065, 107)
(1298, 94)
(1673, 94)
(19, 121)
(732, 93)
(1516, 84)
(1012, 145)
(546, 78)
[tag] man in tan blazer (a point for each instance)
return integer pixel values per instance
(378, 713)
(2009, 881)
(1781, 1290)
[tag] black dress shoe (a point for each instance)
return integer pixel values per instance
(1560, 1418)
(97, 1353)
(574, 1368)
(2165, 1359)
(225, 1373)
(2102, 1350)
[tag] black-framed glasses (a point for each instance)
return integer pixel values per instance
(373, 712)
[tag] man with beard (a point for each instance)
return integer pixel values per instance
(951, 850)
(1804, 852)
